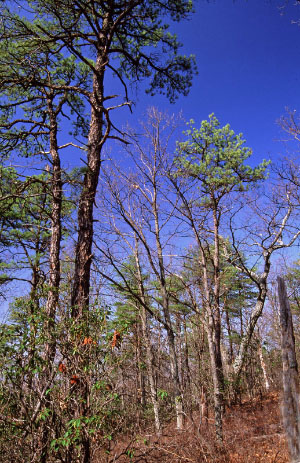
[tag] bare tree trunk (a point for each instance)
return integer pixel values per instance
(83, 253)
(179, 349)
(147, 341)
(54, 264)
(226, 361)
(55, 243)
(34, 308)
(186, 375)
(171, 343)
(263, 367)
(167, 317)
(96, 139)
(255, 315)
(290, 408)
(203, 407)
(150, 372)
(230, 359)
(139, 367)
(218, 382)
(213, 331)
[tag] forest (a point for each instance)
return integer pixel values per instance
(143, 322)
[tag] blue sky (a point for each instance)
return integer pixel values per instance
(248, 55)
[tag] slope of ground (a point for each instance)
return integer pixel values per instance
(252, 434)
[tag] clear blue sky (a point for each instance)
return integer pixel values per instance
(248, 56)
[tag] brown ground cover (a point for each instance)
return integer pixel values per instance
(252, 434)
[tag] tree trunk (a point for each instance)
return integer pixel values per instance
(55, 243)
(139, 367)
(83, 253)
(255, 315)
(213, 331)
(186, 376)
(54, 267)
(147, 341)
(290, 408)
(167, 316)
(263, 367)
(229, 331)
(218, 382)
(203, 407)
(96, 139)
(150, 372)
(261, 282)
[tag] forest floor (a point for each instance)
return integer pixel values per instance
(252, 434)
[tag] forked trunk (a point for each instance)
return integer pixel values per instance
(96, 139)
(83, 253)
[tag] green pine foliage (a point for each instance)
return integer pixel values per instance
(215, 156)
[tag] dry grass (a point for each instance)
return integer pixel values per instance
(252, 434)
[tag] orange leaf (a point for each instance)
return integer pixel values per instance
(62, 367)
(116, 341)
(74, 379)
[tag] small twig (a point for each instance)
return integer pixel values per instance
(265, 436)
(175, 454)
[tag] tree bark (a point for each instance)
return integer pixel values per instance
(83, 252)
(290, 408)
(55, 243)
(229, 331)
(54, 265)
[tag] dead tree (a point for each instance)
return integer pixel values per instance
(290, 380)
(264, 234)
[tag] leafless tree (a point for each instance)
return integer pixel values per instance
(137, 203)
(262, 225)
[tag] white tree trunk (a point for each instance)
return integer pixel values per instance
(263, 367)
